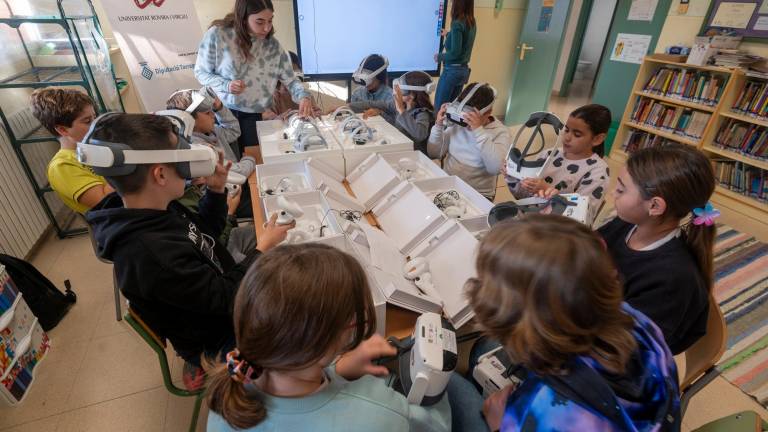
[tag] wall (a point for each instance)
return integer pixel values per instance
(681, 29)
(565, 53)
(492, 56)
(598, 25)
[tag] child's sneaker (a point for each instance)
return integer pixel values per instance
(193, 376)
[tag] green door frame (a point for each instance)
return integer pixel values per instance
(578, 42)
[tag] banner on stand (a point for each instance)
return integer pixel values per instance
(159, 41)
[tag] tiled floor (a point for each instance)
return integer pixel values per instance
(100, 376)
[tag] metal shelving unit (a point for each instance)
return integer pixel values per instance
(65, 49)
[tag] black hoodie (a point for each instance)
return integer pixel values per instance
(179, 280)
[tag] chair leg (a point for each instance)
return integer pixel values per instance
(699, 384)
(196, 412)
(118, 311)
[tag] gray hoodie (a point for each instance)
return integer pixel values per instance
(226, 131)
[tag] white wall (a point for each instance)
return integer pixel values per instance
(597, 29)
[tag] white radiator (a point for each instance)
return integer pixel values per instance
(22, 218)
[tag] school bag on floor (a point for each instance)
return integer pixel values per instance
(45, 300)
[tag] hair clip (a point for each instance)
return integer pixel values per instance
(239, 369)
(705, 216)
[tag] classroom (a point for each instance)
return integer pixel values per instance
(400, 215)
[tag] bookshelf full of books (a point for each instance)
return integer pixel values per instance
(723, 112)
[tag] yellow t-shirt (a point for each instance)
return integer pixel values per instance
(70, 179)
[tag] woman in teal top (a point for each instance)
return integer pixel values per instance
(458, 51)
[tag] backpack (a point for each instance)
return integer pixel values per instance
(45, 300)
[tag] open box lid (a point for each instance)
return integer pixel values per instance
(284, 177)
(407, 216)
(386, 264)
(318, 215)
(450, 252)
(270, 130)
(372, 179)
(475, 206)
(424, 167)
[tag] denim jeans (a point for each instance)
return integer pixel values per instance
(466, 405)
(452, 80)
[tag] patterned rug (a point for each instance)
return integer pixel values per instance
(741, 288)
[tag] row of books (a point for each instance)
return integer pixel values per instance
(742, 178)
(689, 85)
(679, 120)
(748, 139)
(753, 99)
(638, 140)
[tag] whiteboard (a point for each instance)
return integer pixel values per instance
(333, 36)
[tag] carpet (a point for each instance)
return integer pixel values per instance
(741, 289)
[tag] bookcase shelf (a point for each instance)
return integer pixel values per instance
(662, 133)
(722, 113)
(676, 101)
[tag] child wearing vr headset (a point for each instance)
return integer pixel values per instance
(67, 114)
(469, 140)
(371, 75)
(411, 106)
(304, 353)
(548, 292)
(215, 125)
(576, 167)
(178, 278)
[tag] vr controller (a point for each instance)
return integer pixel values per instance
(495, 370)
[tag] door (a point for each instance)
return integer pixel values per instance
(615, 78)
(536, 58)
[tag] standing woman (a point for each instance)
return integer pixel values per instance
(242, 61)
(458, 50)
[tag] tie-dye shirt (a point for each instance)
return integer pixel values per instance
(646, 399)
(219, 62)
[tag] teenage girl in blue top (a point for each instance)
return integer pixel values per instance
(458, 50)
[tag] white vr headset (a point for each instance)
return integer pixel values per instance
(456, 109)
(364, 76)
(110, 159)
(202, 99)
(519, 162)
(402, 83)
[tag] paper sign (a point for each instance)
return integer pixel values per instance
(733, 15)
(642, 10)
(763, 8)
(695, 8)
(630, 48)
(545, 19)
(761, 23)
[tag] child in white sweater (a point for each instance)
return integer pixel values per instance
(475, 150)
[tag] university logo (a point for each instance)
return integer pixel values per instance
(146, 72)
(141, 4)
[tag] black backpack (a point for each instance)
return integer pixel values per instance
(45, 300)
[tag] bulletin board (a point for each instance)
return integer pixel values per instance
(748, 18)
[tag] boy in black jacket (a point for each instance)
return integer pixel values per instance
(177, 277)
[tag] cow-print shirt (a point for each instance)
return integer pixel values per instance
(587, 177)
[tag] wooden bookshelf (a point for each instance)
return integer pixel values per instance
(724, 198)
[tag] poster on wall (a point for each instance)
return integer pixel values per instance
(642, 10)
(630, 48)
(733, 15)
(159, 41)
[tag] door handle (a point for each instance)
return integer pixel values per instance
(523, 49)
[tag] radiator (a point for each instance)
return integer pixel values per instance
(22, 218)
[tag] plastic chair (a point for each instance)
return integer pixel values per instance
(701, 358)
(158, 345)
(118, 309)
(746, 421)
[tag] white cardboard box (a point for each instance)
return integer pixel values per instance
(413, 165)
(318, 217)
(372, 179)
(294, 175)
(476, 205)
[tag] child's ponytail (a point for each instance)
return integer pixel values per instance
(701, 242)
(228, 398)
(684, 178)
